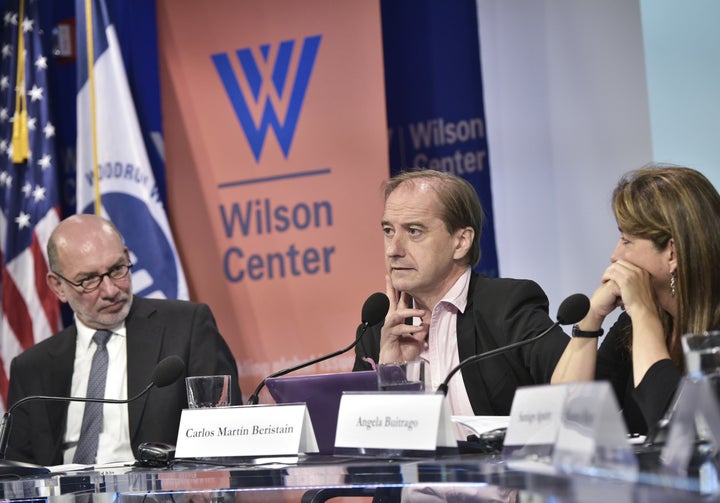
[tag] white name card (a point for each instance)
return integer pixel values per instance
(592, 430)
(695, 415)
(577, 424)
(394, 421)
(535, 416)
(259, 430)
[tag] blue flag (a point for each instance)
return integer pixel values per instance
(127, 187)
(436, 114)
(29, 201)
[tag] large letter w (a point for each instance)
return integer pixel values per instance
(279, 75)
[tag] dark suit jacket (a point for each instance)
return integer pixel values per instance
(499, 312)
(155, 330)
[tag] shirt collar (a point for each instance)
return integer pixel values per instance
(458, 293)
(85, 333)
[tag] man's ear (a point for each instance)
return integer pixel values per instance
(55, 285)
(464, 240)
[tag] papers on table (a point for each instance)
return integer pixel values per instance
(481, 424)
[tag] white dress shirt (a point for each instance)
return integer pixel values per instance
(114, 441)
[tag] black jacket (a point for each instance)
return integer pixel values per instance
(499, 312)
(155, 329)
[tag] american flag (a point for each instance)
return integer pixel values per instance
(29, 197)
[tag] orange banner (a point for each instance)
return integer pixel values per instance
(276, 144)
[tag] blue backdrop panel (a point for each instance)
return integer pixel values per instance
(433, 80)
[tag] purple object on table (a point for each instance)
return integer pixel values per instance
(321, 393)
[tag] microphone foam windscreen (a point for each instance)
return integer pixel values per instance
(573, 309)
(168, 371)
(375, 308)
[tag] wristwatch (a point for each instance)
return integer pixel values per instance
(576, 332)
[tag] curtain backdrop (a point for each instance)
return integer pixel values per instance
(567, 110)
(276, 147)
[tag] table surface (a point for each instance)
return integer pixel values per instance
(484, 477)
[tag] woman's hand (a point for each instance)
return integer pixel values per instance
(640, 302)
(631, 286)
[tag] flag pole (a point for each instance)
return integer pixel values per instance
(20, 134)
(91, 85)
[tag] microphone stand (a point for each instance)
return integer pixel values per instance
(573, 309)
(374, 310)
(253, 399)
(166, 372)
(19, 468)
(476, 358)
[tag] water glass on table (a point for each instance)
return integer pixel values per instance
(208, 391)
(403, 376)
(702, 353)
(702, 358)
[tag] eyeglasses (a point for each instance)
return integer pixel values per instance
(92, 283)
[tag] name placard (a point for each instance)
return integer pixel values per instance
(592, 431)
(695, 416)
(577, 424)
(394, 421)
(534, 422)
(260, 430)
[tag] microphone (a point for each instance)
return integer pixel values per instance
(374, 311)
(166, 372)
(571, 311)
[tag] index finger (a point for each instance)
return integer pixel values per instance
(391, 293)
(405, 300)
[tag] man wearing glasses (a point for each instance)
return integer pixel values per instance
(90, 270)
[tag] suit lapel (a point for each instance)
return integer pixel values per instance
(470, 332)
(467, 338)
(467, 342)
(144, 341)
(57, 381)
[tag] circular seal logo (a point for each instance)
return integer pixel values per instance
(155, 270)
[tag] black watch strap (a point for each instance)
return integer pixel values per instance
(576, 332)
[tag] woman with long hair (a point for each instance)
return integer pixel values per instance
(665, 275)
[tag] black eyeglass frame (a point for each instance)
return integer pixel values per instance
(98, 277)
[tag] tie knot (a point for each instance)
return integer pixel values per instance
(101, 337)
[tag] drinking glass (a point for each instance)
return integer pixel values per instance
(702, 354)
(208, 391)
(403, 376)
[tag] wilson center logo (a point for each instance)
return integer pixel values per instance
(269, 89)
